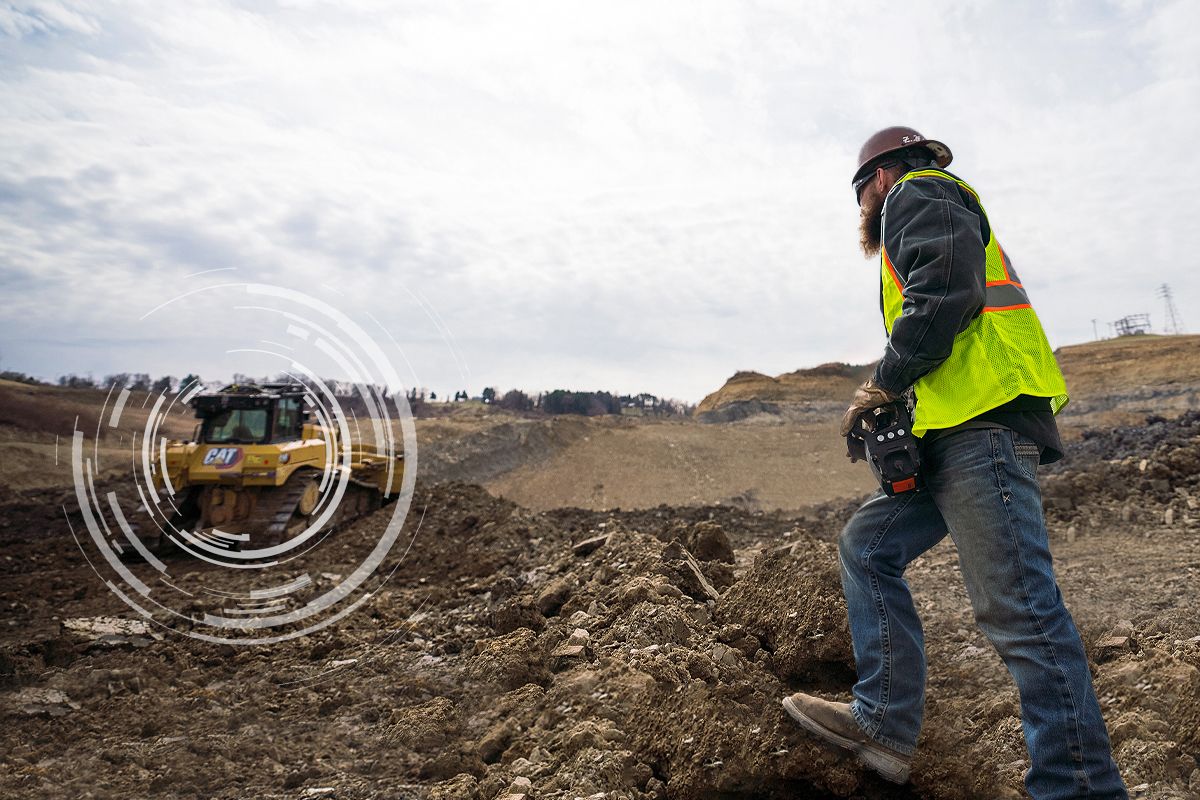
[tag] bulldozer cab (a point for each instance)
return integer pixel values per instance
(252, 414)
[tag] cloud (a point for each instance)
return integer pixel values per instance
(611, 196)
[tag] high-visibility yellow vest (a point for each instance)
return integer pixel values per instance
(1003, 353)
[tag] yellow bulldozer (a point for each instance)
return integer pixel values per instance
(259, 470)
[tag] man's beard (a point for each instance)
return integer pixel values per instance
(870, 227)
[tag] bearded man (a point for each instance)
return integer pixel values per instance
(963, 337)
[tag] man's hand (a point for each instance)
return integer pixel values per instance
(866, 397)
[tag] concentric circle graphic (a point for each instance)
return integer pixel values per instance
(215, 533)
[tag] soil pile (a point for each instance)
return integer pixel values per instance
(1133, 473)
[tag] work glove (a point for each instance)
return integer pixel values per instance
(866, 397)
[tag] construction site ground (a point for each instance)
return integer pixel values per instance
(538, 640)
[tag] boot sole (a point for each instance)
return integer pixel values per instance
(889, 767)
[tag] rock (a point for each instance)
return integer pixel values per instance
(522, 787)
(589, 546)
(43, 702)
(574, 647)
(684, 572)
(1111, 647)
(669, 590)
(568, 651)
(1169, 517)
(554, 594)
(724, 654)
(638, 590)
(111, 631)
(494, 742)
(426, 727)
(516, 613)
(95, 627)
(511, 660)
(708, 541)
(1124, 627)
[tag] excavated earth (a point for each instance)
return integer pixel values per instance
(583, 654)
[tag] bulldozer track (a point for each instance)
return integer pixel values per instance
(275, 508)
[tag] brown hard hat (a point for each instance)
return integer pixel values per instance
(889, 140)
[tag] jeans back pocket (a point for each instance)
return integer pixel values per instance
(1028, 453)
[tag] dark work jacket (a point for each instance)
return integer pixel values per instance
(934, 234)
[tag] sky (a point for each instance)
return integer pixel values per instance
(635, 197)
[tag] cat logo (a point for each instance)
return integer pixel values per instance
(223, 457)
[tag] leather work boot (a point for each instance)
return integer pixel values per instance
(834, 723)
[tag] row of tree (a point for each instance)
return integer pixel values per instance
(559, 401)
(134, 381)
(591, 404)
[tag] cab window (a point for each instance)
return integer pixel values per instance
(244, 425)
(287, 420)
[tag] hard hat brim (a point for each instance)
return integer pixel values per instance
(941, 154)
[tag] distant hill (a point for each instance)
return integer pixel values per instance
(1136, 374)
(826, 383)
(1097, 369)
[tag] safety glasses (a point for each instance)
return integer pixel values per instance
(859, 183)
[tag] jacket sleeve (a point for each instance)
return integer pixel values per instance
(936, 246)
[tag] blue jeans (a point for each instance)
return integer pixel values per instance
(981, 487)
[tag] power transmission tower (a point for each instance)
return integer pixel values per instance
(1173, 323)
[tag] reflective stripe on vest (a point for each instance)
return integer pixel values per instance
(1003, 352)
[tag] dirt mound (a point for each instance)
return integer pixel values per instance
(647, 691)
(1148, 473)
(1151, 435)
(831, 382)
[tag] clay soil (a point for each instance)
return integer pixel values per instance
(597, 654)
